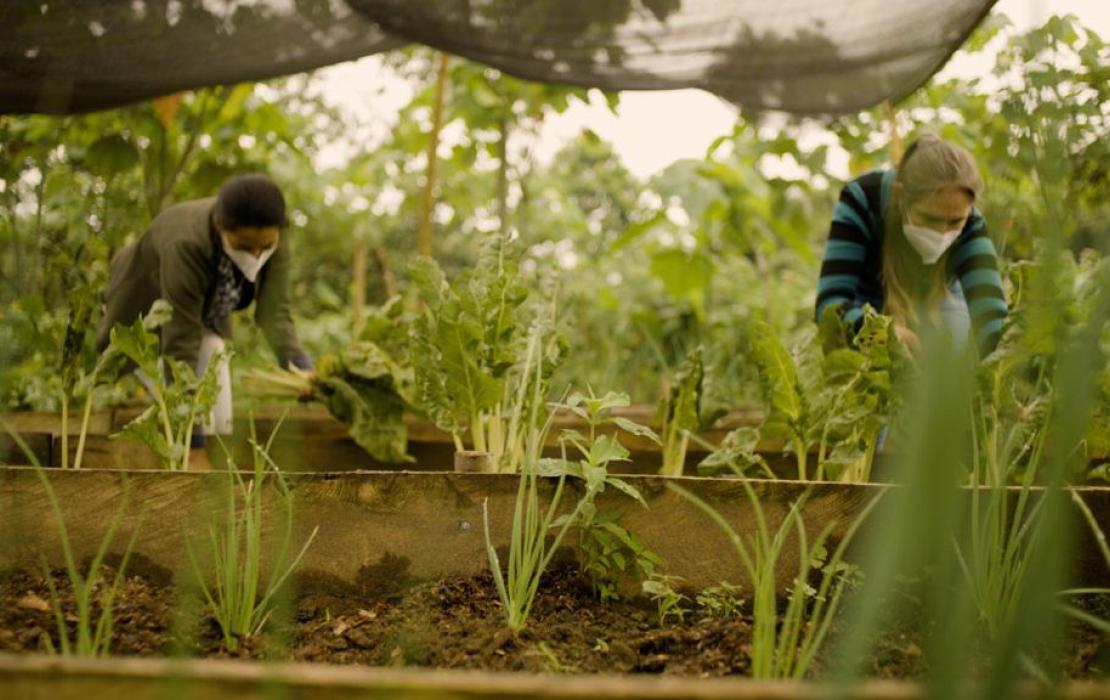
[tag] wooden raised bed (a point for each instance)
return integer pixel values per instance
(311, 440)
(50, 678)
(432, 521)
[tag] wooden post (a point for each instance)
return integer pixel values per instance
(385, 273)
(424, 237)
(358, 284)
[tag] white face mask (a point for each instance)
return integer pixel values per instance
(928, 243)
(248, 264)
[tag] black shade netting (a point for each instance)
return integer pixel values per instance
(799, 56)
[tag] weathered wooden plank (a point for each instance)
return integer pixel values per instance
(431, 520)
(58, 678)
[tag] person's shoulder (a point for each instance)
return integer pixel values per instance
(872, 180)
(185, 220)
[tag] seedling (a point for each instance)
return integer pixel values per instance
(785, 648)
(94, 595)
(720, 602)
(241, 600)
(668, 601)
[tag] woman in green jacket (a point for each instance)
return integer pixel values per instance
(207, 258)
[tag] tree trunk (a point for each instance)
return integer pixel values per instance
(424, 236)
(385, 273)
(358, 283)
(503, 173)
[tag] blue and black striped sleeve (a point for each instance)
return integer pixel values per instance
(845, 253)
(975, 263)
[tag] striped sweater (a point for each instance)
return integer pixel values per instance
(851, 268)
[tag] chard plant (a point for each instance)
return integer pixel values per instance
(181, 398)
(88, 632)
(75, 381)
(368, 384)
(680, 413)
(834, 394)
(227, 567)
(784, 647)
(470, 351)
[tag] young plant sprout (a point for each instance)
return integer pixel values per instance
(785, 647)
(88, 633)
(239, 598)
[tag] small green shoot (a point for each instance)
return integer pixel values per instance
(669, 603)
(240, 599)
(784, 648)
(93, 621)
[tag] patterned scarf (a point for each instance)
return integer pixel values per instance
(228, 292)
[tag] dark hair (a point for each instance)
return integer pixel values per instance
(249, 200)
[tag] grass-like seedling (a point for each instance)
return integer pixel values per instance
(240, 598)
(94, 595)
(786, 647)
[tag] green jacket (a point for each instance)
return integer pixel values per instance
(176, 260)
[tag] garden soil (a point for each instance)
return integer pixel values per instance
(453, 623)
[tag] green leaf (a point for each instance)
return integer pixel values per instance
(147, 429)
(635, 428)
(607, 449)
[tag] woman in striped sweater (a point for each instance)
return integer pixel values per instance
(910, 243)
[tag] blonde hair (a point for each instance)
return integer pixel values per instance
(929, 165)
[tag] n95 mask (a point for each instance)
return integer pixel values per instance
(928, 243)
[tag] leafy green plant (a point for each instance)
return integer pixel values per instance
(74, 381)
(836, 393)
(608, 552)
(240, 599)
(529, 550)
(720, 602)
(738, 453)
(680, 413)
(858, 395)
(94, 594)
(788, 412)
(785, 648)
(181, 399)
(470, 349)
(368, 384)
(669, 603)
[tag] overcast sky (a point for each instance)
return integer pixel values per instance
(642, 132)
